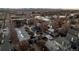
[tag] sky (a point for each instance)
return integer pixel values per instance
(64, 4)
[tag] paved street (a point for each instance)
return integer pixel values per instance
(6, 46)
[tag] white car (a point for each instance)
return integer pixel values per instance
(4, 30)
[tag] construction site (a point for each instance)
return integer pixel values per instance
(39, 30)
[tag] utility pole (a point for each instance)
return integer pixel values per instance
(4, 14)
